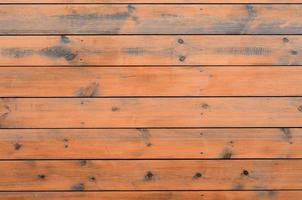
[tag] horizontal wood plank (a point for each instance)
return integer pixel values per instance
(150, 112)
(148, 1)
(150, 50)
(150, 81)
(151, 19)
(229, 195)
(150, 175)
(150, 143)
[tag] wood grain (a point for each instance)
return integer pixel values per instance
(150, 143)
(148, 1)
(150, 112)
(150, 50)
(150, 81)
(234, 195)
(151, 19)
(150, 175)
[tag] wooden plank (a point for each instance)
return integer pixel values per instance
(148, 1)
(150, 81)
(150, 112)
(150, 50)
(151, 19)
(150, 143)
(150, 175)
(234, 195)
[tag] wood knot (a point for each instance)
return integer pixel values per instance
(285, 40)
(115, 109)
(149, 176)
(197, 175)
(17, 146)
(180, 41)
(182, 58)
(205, 106)
(245, 172)
(293, 52)
(41, 176)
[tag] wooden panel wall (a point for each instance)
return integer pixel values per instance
(145, 99)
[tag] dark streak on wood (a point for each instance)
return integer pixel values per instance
(251, 16)
(145, 135)
(245, 51)
(287, 135)
(5, 113)
(58, 52)
(226, 153)
(83, 162)
(91, 90)
(65, 39)
(16, 52)
(78, 187)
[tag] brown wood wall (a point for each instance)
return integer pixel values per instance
(150, 100)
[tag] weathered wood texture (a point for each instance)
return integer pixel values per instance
(150, 143)
(209, 195)
(151, 19)
(165, 96)
(150, 81)
(150, 112)
(150, 50)
(149, 1)
(150, 175)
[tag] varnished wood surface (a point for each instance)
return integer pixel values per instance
(151, 143)
(82, 175)
(151, 19)
(150, 50)
(225, 195)
(150, 112)
(150, 81)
